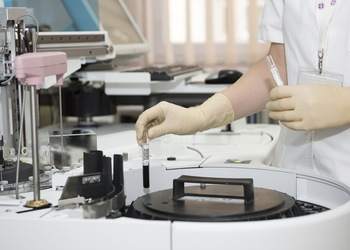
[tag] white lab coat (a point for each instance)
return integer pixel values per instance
(295, 23)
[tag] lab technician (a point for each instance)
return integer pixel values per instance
(310, 43)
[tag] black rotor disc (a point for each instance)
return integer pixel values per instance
(161, 205)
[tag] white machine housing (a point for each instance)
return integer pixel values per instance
(66, 229)
(324, 231)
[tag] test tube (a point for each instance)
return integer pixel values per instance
(145, 165)
(275, 74)
(274, 71)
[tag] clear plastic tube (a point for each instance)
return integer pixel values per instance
(274, 71)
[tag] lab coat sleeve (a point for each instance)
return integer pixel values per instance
(271, 26)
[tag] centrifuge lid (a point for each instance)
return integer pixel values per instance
(216, 199)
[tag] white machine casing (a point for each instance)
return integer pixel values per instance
(328, 230)
(65, 229)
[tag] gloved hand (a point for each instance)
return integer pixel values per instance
(167, 118)
(310, 107)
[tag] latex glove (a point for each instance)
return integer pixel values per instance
(167, 118)
(310, 107)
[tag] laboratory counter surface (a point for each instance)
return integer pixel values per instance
(116, 84)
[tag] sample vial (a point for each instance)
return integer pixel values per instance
(145, 165)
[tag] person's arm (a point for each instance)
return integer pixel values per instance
(251, 93)
(247, 96)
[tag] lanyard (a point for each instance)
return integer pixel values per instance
(325, 14)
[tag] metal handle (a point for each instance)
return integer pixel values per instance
(248, 187)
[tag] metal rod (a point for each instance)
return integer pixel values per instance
(61, 114)
(35, 146)
(20, 139)
(34, 128)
